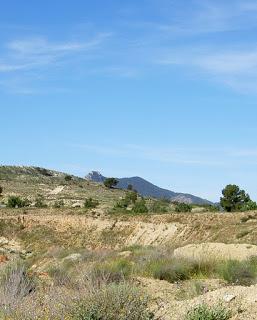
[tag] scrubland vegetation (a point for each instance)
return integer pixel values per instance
(73, 249)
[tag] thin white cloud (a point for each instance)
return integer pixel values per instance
(190, 156)
(35, 52)
(237, 69)
(212, 17)
(38, 46)
(165, 155)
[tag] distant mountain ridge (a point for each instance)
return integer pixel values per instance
(147, 189)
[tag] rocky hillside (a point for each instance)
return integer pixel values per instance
(147, 189)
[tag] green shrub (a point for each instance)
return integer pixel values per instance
(250, 205)
(110, 182)
(238, 272)
(121, 204)
(114, 271)
(44, 172)
(68, 178)
(58, 204)
(173, 271)
(113, 302)
(90, 203)
(140, 207)
(131, 197)
(193, 289)
(211, 208)
(159, 206)
(39, 202)
(204, 312)
(183, 207)
(1, 190)
(17, 202)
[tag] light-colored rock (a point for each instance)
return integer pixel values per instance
(77, 205)
(228, 297)
(3, 241)
(125, 254)
(73, 257)
(57, 190)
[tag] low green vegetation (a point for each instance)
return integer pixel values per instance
(68, 178)
(110, 182)
(17, 202)
(140, 207)
(183, 207)
(238, 272)
(113, 302)
(205, 312)
(160, 206)
(94, 296)
(58, 204)
(91, 203)
(40, 202)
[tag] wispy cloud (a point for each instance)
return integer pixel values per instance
(187, 156)
(237, 69)
(210, 16)
(35, 52)
(181, 156)
(23, 60)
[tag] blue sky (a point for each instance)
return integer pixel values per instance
(163, 89)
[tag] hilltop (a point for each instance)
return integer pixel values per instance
(147, 189)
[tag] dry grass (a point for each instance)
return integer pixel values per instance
(92, 295)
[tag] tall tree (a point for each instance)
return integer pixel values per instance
(233, 198)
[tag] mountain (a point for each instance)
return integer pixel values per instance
(147, 189)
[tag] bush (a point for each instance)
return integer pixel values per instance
(44, 172)
(58, 204)
(250, 205)
(121, 204)
(159, 206)
(17, 202)
(175, 270)
(110, 182)
(131, 197)
(204, 312)
(91, 203)
(140, 207)
(113, 271)
(1, 190)
(59, 275)
(68, 178)
(15, 284)
(183, 207)
(238, 272)
(113, 302)
(39, 202)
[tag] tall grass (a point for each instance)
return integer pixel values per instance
(15, 285)
(96, 296)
